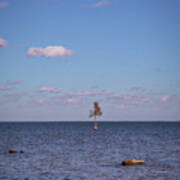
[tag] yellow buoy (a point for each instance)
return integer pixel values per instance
(95, 128)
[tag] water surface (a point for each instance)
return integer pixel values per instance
(72, 150)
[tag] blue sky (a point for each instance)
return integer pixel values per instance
(57, 57)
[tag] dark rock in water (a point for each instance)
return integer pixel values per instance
(12, 151)
(131, 162)
(21, 151)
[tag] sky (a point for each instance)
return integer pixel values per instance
(59, 56)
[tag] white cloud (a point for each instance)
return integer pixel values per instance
(39, 101)
(17, 82)
(71, 100)
(90, 93)
(100, 4)
(15, 94)
(49, 89)
(130, 99)
(165, 98)
(49, 51)
(5, 88)
(168, 98)
(3, 43)
(137, 88)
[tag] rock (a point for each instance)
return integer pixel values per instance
(21, 151)
(12, 151)
(132, 162)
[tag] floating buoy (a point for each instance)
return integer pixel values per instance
(12, 151)
(21, 151)
(132, 162)
(95, 128)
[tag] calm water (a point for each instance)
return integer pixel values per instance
(73, 151)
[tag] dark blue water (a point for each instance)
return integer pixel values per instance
(57, 150)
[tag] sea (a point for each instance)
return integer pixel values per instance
(74, 151)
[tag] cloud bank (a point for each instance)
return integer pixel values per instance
(3, 43)
(49, 51)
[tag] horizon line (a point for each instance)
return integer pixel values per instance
(102, 121)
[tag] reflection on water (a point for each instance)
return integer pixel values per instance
(73, 151)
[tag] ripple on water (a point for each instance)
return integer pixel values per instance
(59, 151)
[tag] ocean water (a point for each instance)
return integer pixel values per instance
(73, 151)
